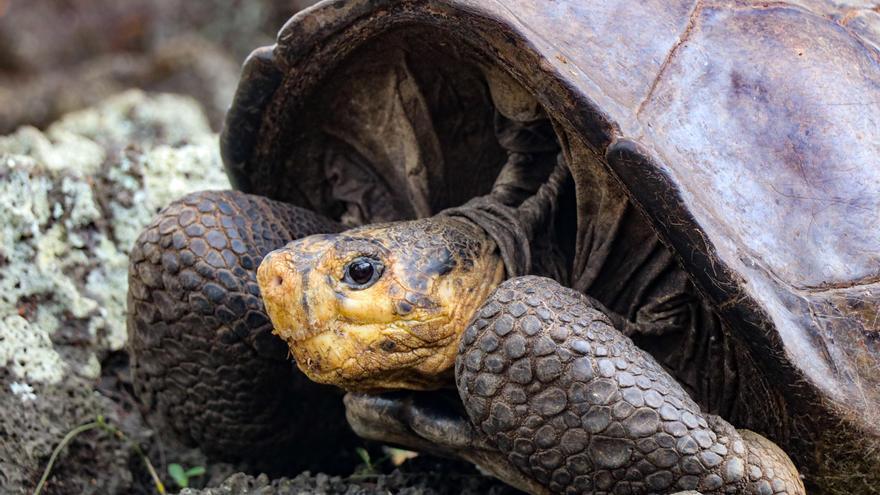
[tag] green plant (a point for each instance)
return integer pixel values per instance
(182, 476)
(101, 424)
(369, 467)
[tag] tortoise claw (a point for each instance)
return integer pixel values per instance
(430, 422)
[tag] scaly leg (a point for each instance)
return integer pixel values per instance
(577, 407)
(203, 354)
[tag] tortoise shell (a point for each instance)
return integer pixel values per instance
(747, 133)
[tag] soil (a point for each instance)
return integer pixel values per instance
(424, 476)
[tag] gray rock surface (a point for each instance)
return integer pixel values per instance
(72, 201)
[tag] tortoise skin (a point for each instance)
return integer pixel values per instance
(575, 405)
(204, 360)
(745, 132)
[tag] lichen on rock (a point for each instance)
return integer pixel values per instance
(72, 201)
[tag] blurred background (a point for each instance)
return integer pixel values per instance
(61, 55)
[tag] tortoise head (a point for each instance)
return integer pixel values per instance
(382, 306)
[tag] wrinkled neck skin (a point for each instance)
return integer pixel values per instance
(400, 332)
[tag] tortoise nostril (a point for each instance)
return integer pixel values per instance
(273, 275)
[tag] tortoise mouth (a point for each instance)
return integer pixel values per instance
(297, 335)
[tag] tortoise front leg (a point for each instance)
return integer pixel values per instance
(577, 407)
(426, 422)
(204, 359)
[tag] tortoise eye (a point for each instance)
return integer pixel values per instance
(362, 272)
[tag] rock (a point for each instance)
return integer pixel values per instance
(72, 201)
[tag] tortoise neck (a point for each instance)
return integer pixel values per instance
(524, 197)
(502, 224)
(538, 210)
(514, 228)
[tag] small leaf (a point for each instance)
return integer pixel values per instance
(195, 471)
(178, 475)
(363, 454)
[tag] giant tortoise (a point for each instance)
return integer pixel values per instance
(590, 246)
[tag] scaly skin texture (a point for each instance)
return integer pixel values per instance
(577, 406)
(570, 403)
(400, 332)
(203, 356)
